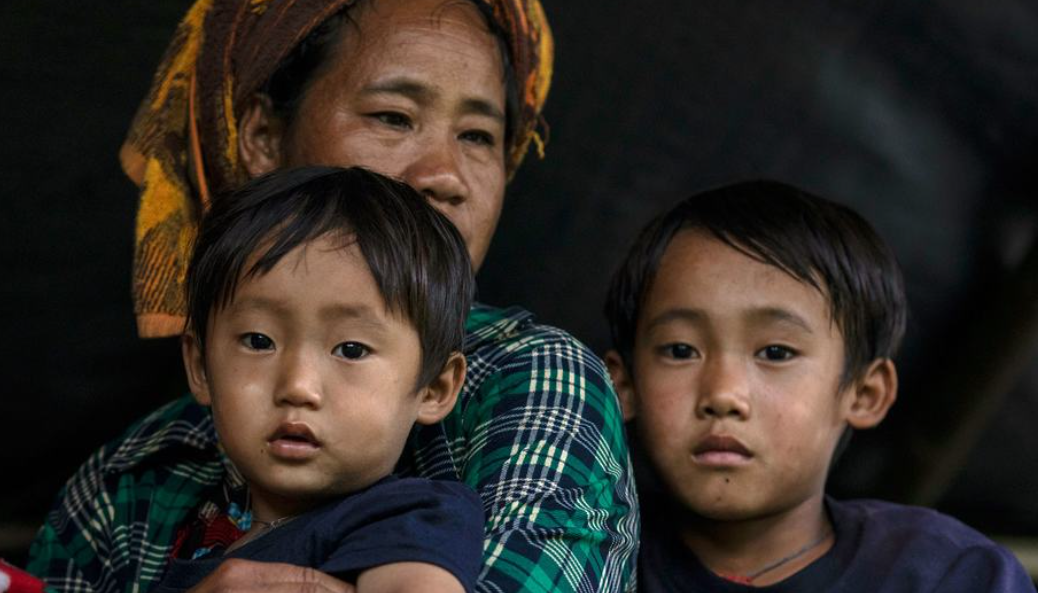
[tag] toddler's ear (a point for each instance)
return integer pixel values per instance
(194, 366)
(438, 397)
(873, 395)
(623, 383)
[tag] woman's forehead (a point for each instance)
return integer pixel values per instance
(402, 10)
(441, 47)
(373, 21)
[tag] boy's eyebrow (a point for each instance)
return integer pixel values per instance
(760, 316)
(687, 315)
(766, 315)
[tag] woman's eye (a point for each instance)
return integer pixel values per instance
(351, 350)
(680, 351)
(255, 341)
(478, 137)
(393, 119)
(775, 353)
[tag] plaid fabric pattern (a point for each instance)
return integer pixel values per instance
(537, 431)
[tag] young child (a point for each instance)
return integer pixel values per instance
(327, 310)
(753, 327)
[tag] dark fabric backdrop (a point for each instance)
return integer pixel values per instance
(923, 116)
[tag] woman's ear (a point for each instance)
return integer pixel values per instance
(623, 383)
(438, 397)
(873, 395)
(260, 136)
(194, 366)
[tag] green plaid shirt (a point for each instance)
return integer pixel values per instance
(537, 431)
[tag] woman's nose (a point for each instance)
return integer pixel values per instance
(437, 174)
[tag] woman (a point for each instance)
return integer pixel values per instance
(446, 95)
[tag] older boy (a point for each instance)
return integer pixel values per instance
(754, 326)
(327, 313)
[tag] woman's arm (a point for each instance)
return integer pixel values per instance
(547, 454)
(114, 522)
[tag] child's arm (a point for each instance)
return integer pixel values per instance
(402, 577)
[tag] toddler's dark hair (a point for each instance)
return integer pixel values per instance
(417, 257)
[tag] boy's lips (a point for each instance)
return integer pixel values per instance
(293, 440)
(721, 451)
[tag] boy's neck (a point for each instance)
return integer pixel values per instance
(765, 550)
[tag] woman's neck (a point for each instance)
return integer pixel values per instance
(762, 550)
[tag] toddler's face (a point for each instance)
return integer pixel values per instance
(311, 379)
(736, 370)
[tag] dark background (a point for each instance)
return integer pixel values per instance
(921, 115)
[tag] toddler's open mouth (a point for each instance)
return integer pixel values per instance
(293, 440)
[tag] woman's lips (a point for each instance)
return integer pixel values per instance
(293, 441)
(721, 451)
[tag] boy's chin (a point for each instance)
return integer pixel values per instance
(726, 514)
(676, 510)
(721, 511)
(729, 503)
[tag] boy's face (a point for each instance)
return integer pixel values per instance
(311, 380)
(736, 369)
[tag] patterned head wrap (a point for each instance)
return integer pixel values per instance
(183, 144)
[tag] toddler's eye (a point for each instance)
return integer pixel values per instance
(776, 353)
(681, 351)
(255, 341)
(351, 350)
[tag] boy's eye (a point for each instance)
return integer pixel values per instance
(776, 353)
(256, 341)
(351, 350)
(393, 119)
(680, 351)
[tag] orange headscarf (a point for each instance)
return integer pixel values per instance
(183, 146)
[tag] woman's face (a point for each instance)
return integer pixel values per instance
(415, 90)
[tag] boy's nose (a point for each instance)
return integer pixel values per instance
(300, 383)
(723, 390)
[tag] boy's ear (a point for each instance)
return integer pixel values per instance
(623, 383)
(873, 395)
(194, 366)
(260, 136)
(438, 397)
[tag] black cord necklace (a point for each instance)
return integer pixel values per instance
(748, 579)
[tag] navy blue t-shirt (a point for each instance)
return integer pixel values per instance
(394, 520)
(880, 548)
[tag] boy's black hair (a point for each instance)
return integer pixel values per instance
(419, 260)
(818, 242)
